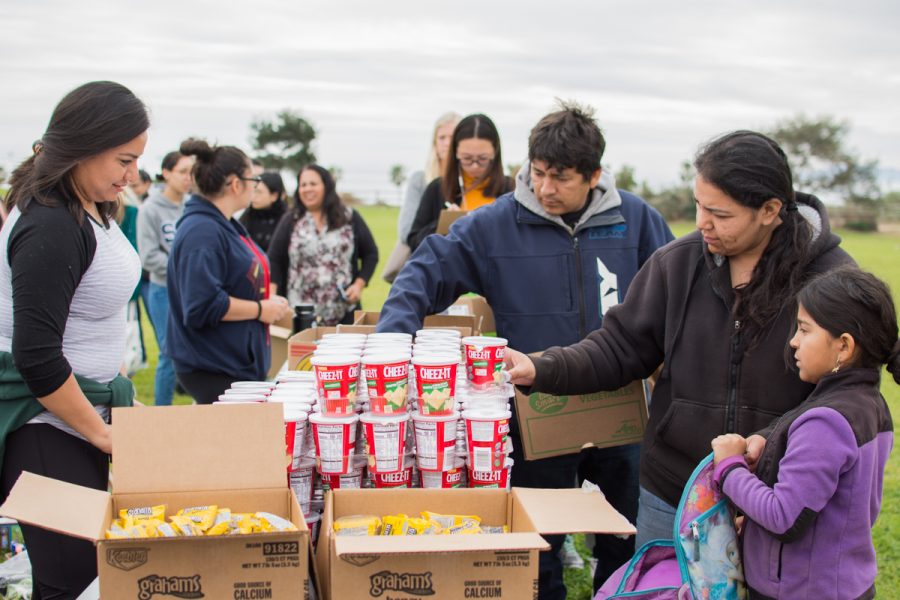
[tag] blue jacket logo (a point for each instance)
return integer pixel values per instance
(615, 232)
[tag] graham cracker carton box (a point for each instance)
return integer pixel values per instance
(184, 456)
(500, 565)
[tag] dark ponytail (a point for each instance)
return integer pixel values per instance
(752, 169)
(214, 165)
(89, 120)
(849, 300)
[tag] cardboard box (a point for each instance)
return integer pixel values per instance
(556, 425)
(477, 306)
(447, 218)
(451, 567)
(301, 346)
(465, 324)
(279, 338)
(182, 456)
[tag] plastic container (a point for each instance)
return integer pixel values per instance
(302, 480)
(493, 479)
(335, 440)
(435, 440)
(387, 380)
(455, 477)
(435, 376)
(385, 440)
(486, 435)
(295, 422)
(336, 380)
(484, 360)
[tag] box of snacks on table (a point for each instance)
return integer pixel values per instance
(199, 506)
(448, 543)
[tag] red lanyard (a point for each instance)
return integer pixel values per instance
(264, 263)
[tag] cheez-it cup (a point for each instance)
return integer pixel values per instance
(451, 478)
(492, 479)
(294, 433)
(336, 379)
(394, 479)
(486, 433)
(435, 440)
(385, 440)
(435, 383)
(345, 481)
(335, 440)
(387, 378)
(484, 360)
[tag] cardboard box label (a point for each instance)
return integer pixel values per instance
(557, 425)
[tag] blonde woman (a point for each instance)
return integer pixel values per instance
(441, 136)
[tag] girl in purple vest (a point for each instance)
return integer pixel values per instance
(815, 494)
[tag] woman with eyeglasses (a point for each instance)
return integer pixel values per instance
(322, 252)
(218, 280)
(473, 176)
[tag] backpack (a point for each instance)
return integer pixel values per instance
(701, 562)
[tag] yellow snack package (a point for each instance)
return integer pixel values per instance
(467, 527)
(144, 513)
(493, 529)
(448, 521)
(275, 522)
(185, 526)
(394, 525)
(222, 524)
(117, 532)
(417, 526)
(357, 525)
(245, 523)
(202, 516)
(166, 530)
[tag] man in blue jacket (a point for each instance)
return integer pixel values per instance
(550, 259)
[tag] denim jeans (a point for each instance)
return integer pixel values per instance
(655, 520)
(556, 472)
(615, 471)
(158, 307)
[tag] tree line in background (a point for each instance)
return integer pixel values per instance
(817, 148)
(822, 164)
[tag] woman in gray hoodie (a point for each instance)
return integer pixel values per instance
(155, 232)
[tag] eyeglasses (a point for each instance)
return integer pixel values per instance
(481, 161)
(256, 180)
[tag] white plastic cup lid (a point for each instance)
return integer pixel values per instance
(400, 417)
(334, 360)
(486, 415)
(452, 416)
(320, 419)
(481, 341)
(431, 360)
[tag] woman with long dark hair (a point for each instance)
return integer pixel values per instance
(218, 280)
(322, 252)
(716, 309)
(473, 176)
(267, 207)
(66, 275)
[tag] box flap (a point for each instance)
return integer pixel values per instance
(197, 448)
(346, 545)
(571, 511)
(58, 506)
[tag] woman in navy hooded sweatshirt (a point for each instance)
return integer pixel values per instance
(218, 280)
(811, 504)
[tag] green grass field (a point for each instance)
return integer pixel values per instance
(874, 252)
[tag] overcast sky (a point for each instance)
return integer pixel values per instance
(372, 76)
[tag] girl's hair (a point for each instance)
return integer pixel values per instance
(170, 160)
(848, 300)
(274, 182)
(433, 164)
(89, 120)
(214, 165)
(332, 207)
(477, 127)
(752, 169)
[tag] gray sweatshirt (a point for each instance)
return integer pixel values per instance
(155, 232)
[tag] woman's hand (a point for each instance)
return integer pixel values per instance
(354, 292)
(728, 445)
(519, 366)
(274, 309)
